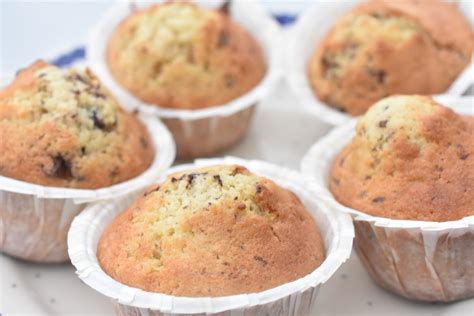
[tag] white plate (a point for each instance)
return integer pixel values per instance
(281, 134)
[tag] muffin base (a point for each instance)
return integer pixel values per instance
(35, 229)
(418, 264)
(210, 135)
(297, 304)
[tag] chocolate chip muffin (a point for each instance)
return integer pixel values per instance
(411, 158)
(214, 231)
(386, 47)
(177, 55)
(62, 128)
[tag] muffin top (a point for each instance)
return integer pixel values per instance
(177, 55)
(411, 158)
(386, 47)
(62, 128)
(214, 231)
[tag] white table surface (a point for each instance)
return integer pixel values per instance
(281, 133)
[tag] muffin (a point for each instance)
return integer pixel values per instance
(408, 177)
(177, 55)
(385, 47)
(61, 128)
(411, 158)
(213, 231)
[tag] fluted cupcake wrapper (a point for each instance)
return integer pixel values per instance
(430, 261)
(294, 298)
(310, 28)
(34, 219)
(200, 132)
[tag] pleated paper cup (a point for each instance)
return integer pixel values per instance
(310, 29)
(294, 298)
(420, 260)
(34, 219)
(201, 132)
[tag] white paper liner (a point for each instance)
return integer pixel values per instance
(34, 219)
(336, 231)
(310, 28)
(249, 14)
(388, 234)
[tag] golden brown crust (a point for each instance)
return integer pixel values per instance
(52, 136)
(206, 63)
(418, 171)
(387, 47)
(261, 238)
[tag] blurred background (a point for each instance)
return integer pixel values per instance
(33, 28)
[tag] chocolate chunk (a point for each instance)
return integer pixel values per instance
(218, 179)
(225, 8)
(461, 152)
(223, 39)
(229, 80)
(328, 63)
(383, 123)
(258, 188)
(173, 179)
(115, 172)
(61, 168)
(96, 93)
(377, 15)
(143, 142)
(78, 77)
(378, 199)
(98, 123)
(341, 162)
(379, 75)
(261, 260)
(190, 178)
